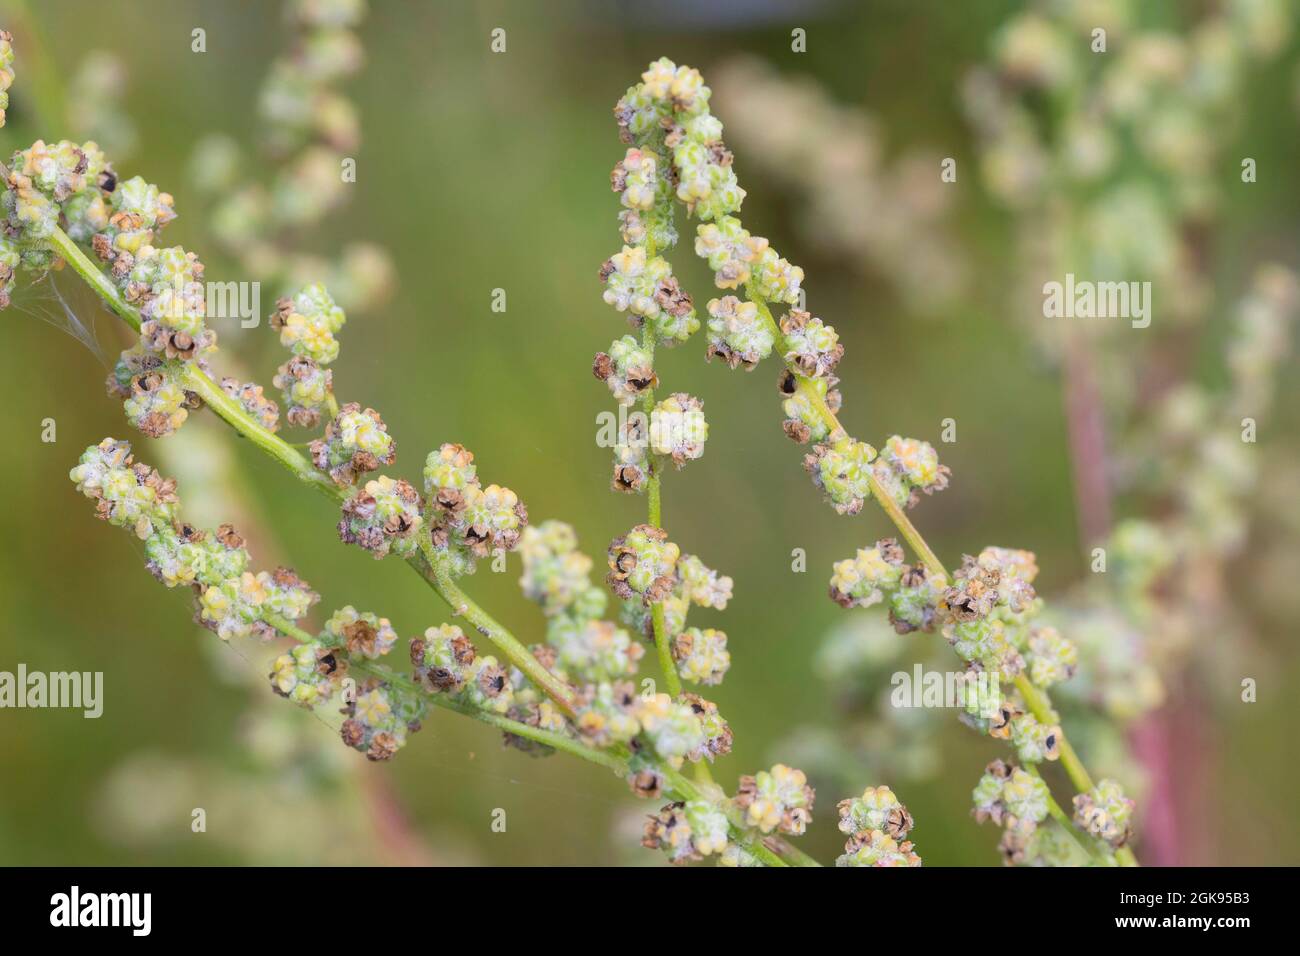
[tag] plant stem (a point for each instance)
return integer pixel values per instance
(683, 788)
(654, 511)
(549, 738)
(1035, 698)
(298, 464)
(486, 625)
(429, 567)
(1056, 813)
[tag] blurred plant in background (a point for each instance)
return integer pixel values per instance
(295, 773)
(888, 217)
(1114, 154)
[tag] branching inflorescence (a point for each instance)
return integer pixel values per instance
(575, 690)
(676, 151)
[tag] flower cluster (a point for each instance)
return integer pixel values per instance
(378, 720)
(693, 583)
(643, 564)
(701, 655)
(155, 398)
(73, 185)
(779, 799)
(46, 182)
(611, 713)
(687, 831)
(362, 634)
(842, 470)
(1105, 813)
(678, 428)
(737, 334)
(877, 825)
(6, 71)
(646, 196)
(232, 600)
(309, 673)
(356, 441)
(812, 348)
(446, 662)
(307, 323)
(627, 368)
(906, 467)
(383, 516)
(1015, 800)
(986, 613)
(645, 286)
(467, 521)
(306, 389)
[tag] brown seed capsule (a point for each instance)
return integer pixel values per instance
(646, 783)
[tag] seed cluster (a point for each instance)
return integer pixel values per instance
(231, 599)
(877, 825)
(1017, 801)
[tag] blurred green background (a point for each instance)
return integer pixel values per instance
(483, 171)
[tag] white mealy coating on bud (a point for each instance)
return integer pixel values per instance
(643, 563)
(730, 250)
(843, 472)
(776, 279)
(878, 849)
(862, 581)
(308, 322)
(356, 441)
(678, 428)
(450, 468)
(128, 495)
(636, 178)
(627, 368)
(632, 280)
(308, 674)
(672, 728)
(737, 333)
(779, 799)
(702, 585)
(363, 634)
(1051, 658)
(1025, 796)
(877, 809)
(1105, 812)
(383, 516)
(701, 655)
(811, 346)
(593, 650)
(556, 573)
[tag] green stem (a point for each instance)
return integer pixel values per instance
(229, 410)
(427, 566)
(1035, 698)
(1056, 813)
(654, 513)
(662, 645)
(82, 264)
(550, 738)
(486, 625)
(683, 788)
